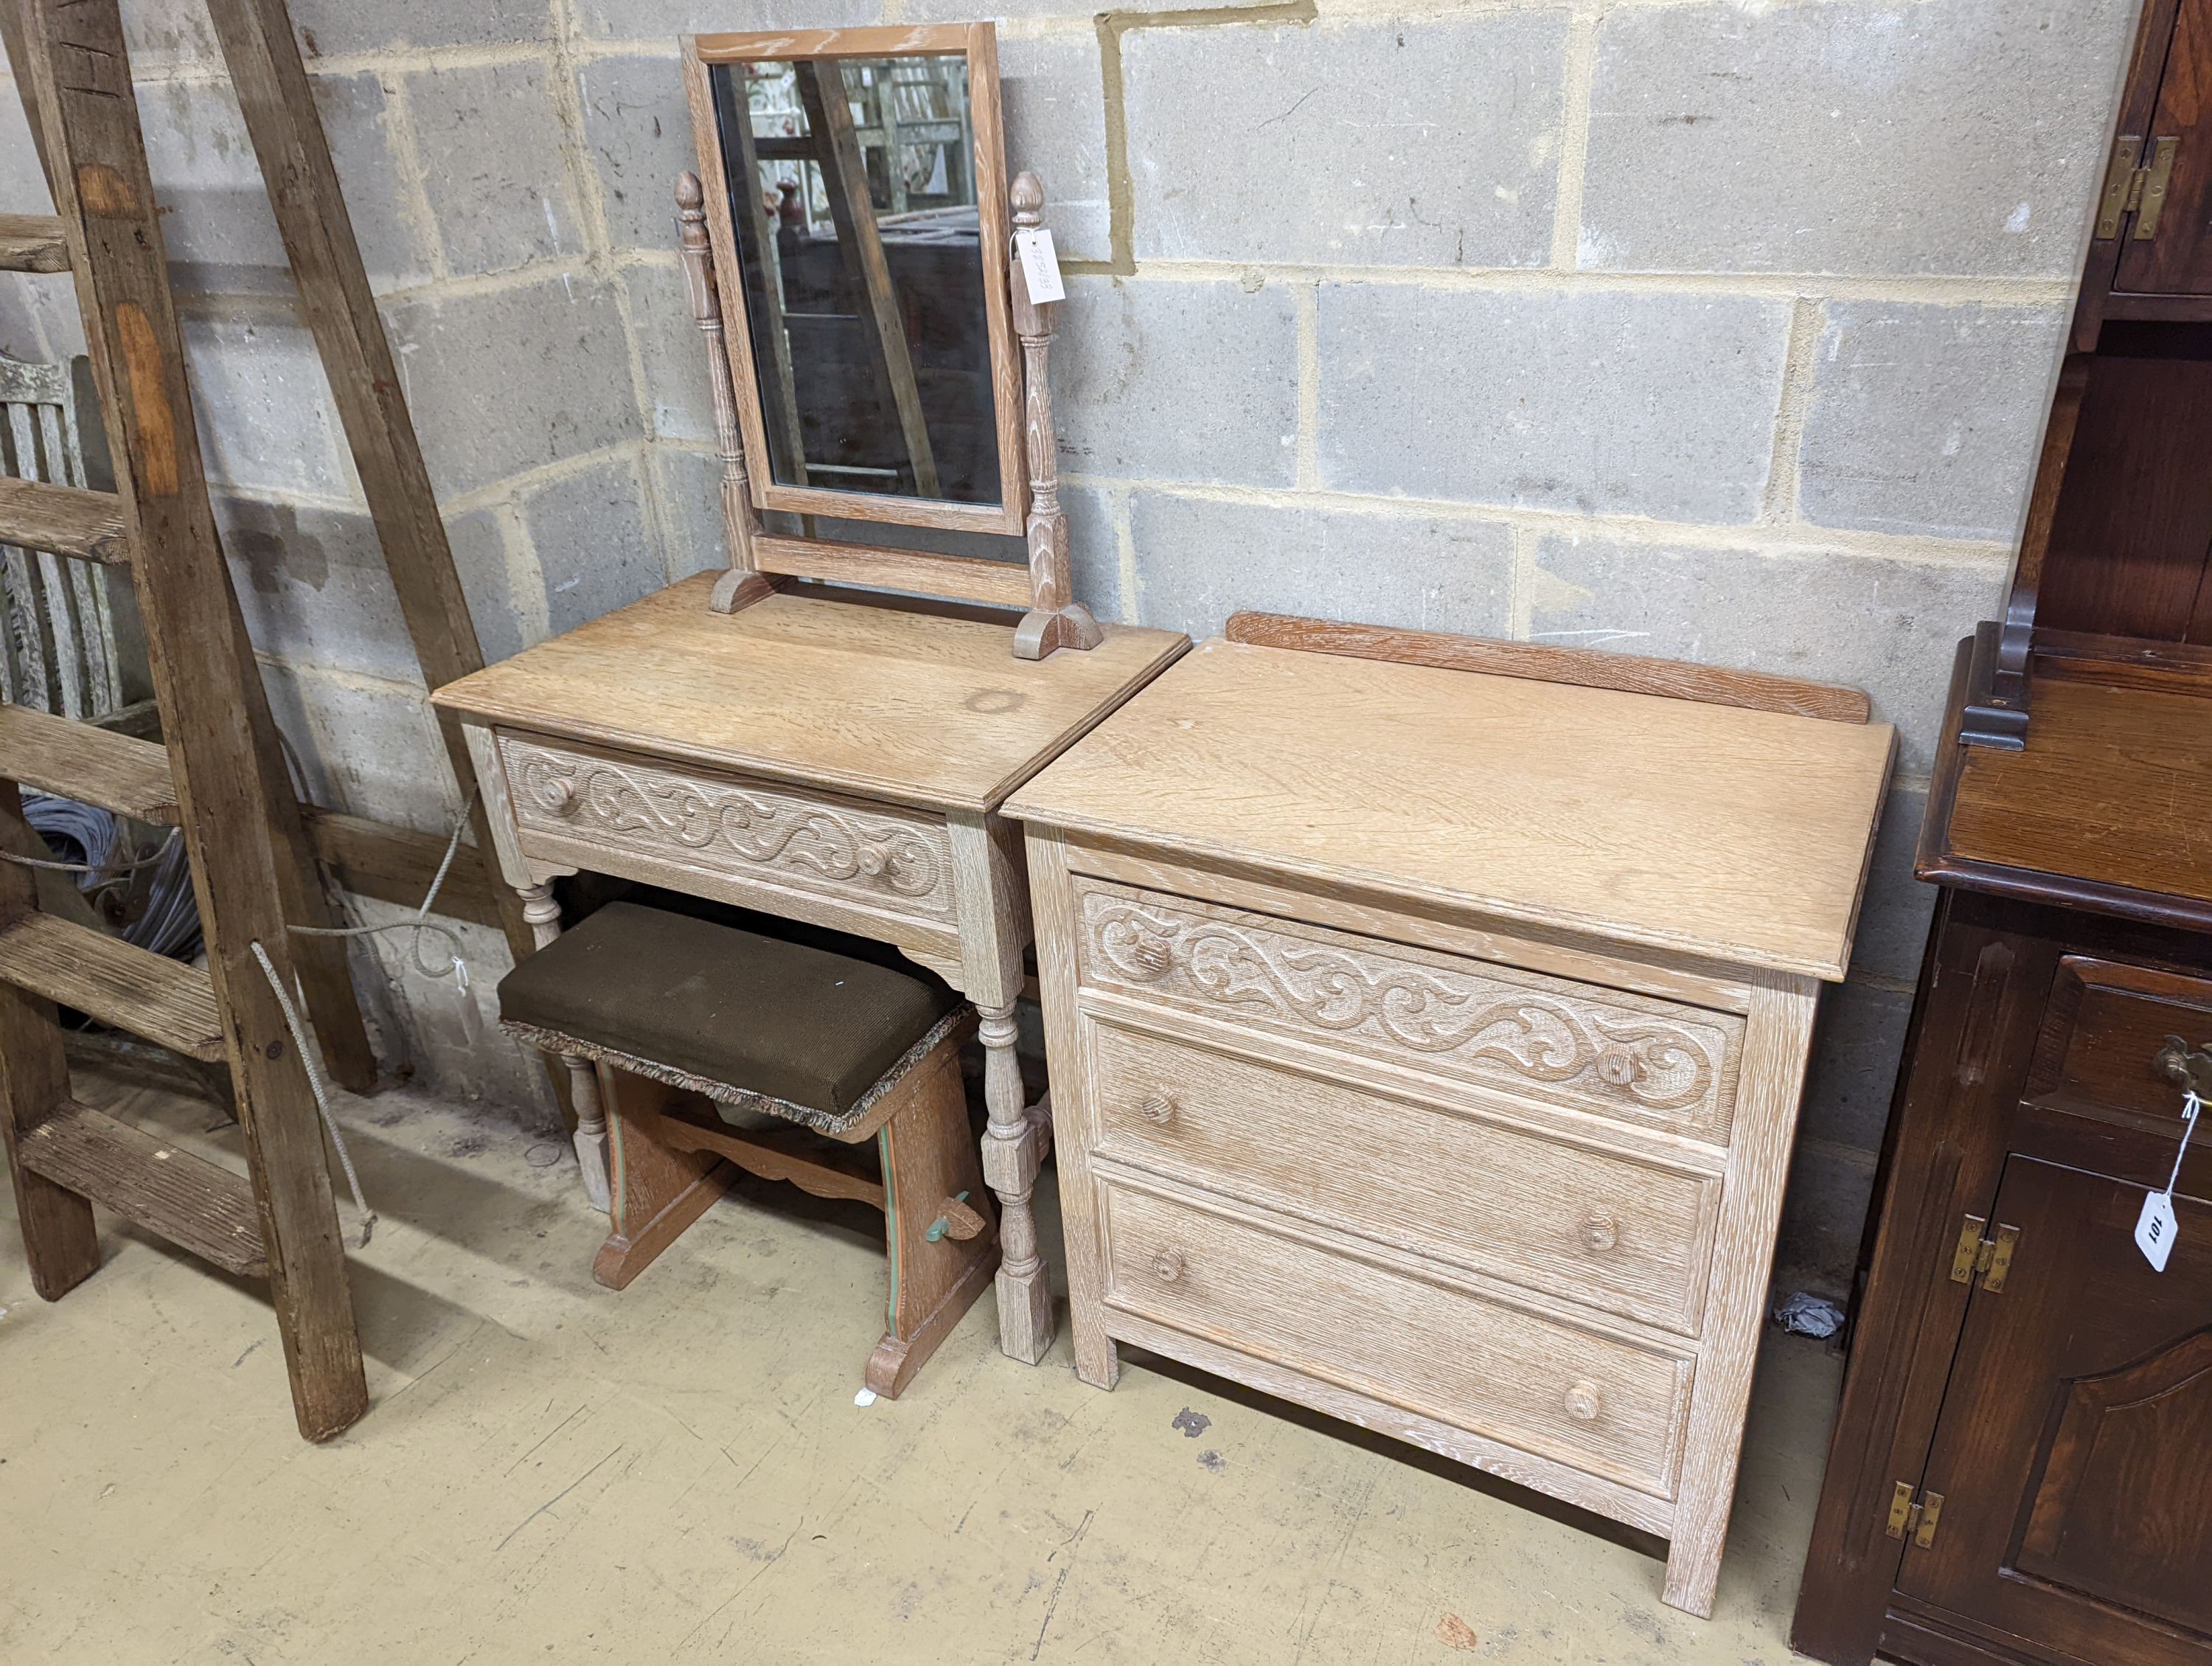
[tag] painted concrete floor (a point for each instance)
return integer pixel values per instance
(552, 1472)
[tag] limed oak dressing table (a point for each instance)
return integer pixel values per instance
(835, 757)
(1426, 1045)
(819, 760)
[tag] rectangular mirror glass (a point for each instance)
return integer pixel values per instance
(855, 203)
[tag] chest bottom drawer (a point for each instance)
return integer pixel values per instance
(1601, 1405)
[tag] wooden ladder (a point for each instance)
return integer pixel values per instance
(219, 779)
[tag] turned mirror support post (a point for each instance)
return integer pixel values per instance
(1055, 618)
(544, 914)
(743, 585)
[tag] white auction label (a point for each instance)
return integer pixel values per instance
(2154, 1230)
(1040, 265)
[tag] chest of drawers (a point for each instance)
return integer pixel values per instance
(1358, 1106)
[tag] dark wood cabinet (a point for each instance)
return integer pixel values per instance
(2073, 1450)
(2118, 539)
(2158, 206)
(2021, 1468)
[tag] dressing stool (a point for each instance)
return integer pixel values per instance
(719, 1047)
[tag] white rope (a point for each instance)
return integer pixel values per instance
(315, 1086)
(455, 967)
(110, 869)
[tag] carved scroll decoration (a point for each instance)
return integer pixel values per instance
(803, 840)
(1616, 1055)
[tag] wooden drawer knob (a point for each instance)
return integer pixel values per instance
(1600, 1232)
(1169, 1265)
(1616, 1066)
(1152, 954)
(1158, 1107)
(1583, 1402)
(558, 796)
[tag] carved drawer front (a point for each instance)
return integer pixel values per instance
(1622, 1056)
(1602, 1406)
(1623, 1236)
(747, 830)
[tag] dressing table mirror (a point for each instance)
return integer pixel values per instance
(876, 356)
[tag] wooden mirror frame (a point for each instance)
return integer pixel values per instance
(1021, 394)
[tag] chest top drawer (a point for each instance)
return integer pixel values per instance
(1616, 1233)
(1603, 1406)
(896, 861)
(1620, 1055)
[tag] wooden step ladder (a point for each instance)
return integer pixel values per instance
(219, 779)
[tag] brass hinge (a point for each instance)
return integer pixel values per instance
(1917, 1517)
(2132, 186)
(1992, 1256)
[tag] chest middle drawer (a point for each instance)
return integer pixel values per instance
(1615, 1233)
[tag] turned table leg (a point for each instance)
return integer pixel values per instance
(544, 914)
(1014, 1151)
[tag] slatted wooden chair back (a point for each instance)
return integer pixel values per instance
(60, 652)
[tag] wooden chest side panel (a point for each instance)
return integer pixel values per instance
(1618, 1055)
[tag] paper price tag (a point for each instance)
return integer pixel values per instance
(1040, 265)
(2156, 1226)
(2154, 1230)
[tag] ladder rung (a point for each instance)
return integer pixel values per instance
(187, 1200)
(38, 515)
(119, 983)
(33, 243)
(117, 772)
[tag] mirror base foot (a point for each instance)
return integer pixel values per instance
(1041, 632)
(738, 589)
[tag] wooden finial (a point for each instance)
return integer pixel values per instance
(1055, 619)
(742, 584)
(1028, 196)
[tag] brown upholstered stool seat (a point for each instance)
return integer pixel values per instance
(698, 1027)
(729, 1013)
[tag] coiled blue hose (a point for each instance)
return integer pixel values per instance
(86, 833)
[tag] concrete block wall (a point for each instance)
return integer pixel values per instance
(1719, 329)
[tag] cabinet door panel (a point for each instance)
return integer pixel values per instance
(2178, 259)
(2118, 1435)
(2075, 1450)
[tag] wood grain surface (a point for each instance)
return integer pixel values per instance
(1740, 835)
(1615, 1233)
(913, 707)
(119, 983)
(2112, 786)
(115, 771)
(1395, 1332)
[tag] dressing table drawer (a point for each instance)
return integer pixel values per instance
(1603, 1406)
(1609, 1230)
(571, 801)
(1629, 1058)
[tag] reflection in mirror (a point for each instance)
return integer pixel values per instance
(852, 194)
